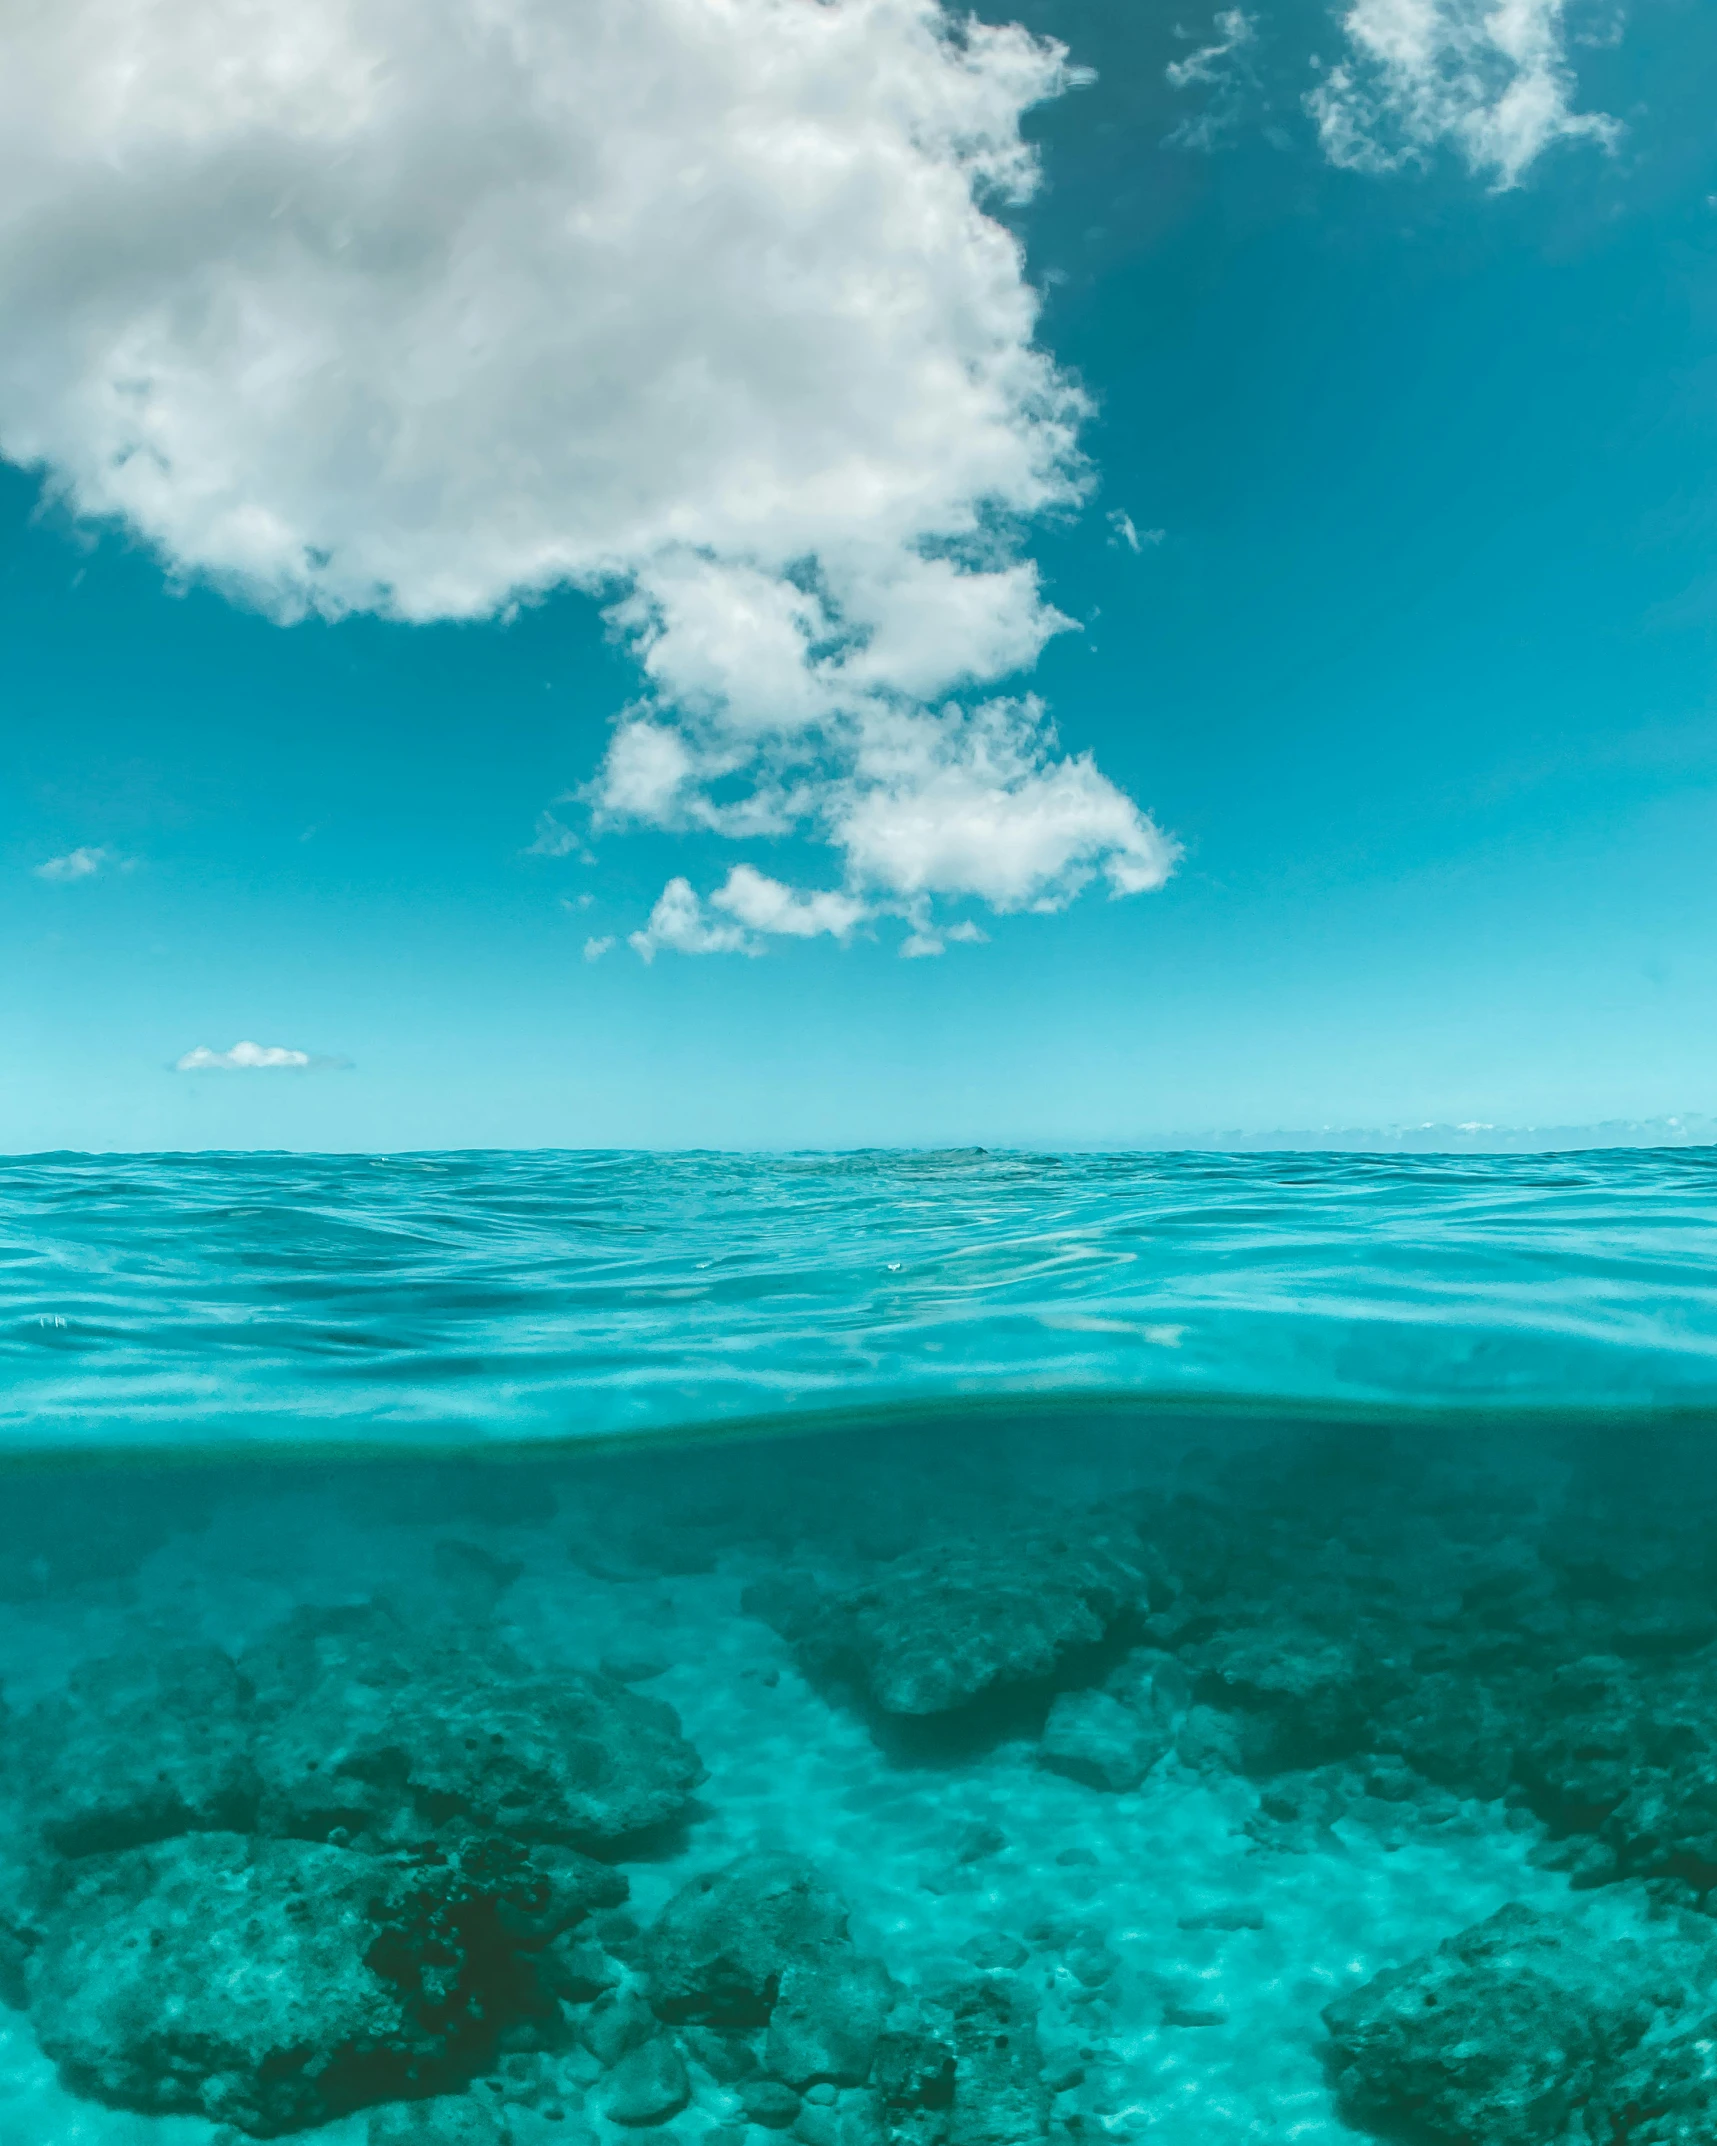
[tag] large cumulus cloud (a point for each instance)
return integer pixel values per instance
(427, 307)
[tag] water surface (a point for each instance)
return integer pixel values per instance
(480, 1297)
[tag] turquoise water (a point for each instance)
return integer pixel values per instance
(207, 1299)
(945, 1650)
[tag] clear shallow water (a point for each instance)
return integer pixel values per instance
(1158, 1768)
(1134, 1750)
(452, 1298)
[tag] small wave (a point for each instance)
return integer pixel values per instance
(484, 1298)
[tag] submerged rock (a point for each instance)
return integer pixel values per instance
(15, 1949)
(938, 1629)
(267, 1984)
(1528, 2027)
(1663, 2093)
(769, 2102)
(578, 1970)
(556, 1889)
(1302, 1696)
(616, 2025)
(726, 2055)
(1000, 2097)
(1297, 1812)
(1093, 1738)
(718, 1950)
(828, 2018)
(915, 2064)
(1457, 1730)
(1627, 1752)
(139, 1747)
(648, 2086)
(28, 1884)
(448, 2120)
(369, 1731)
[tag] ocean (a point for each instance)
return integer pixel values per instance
(962, 1649)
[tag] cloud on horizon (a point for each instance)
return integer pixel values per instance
(355, 306)
(82, 863)
(257, 1058)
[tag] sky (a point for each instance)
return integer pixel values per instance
(685, 573)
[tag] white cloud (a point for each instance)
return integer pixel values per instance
(80, 863)
(926, 939)
(759, 908)
(768, 906)
(962, 803)
(1488, 77)
(1224, 68)
(594, 949)
(427, 307)
(978, 803)
(649, 773)
(421, 306)
(1604, 36)
(1234, 29)
(553, 839)
(246, 1058)
(1127, 531)
(678, 921)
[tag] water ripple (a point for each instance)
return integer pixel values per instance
(506, 1296)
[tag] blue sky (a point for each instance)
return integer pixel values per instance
(1398, 701)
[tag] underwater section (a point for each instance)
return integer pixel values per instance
(980, 1777)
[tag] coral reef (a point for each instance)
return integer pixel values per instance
(367, 1728)
(994, 1843)
(719, 1949)
(140, 1746)
(336, 1871)
(269, 1984)
(939, 1628)
(1530, 2027)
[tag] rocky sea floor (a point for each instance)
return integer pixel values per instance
(961, 1783)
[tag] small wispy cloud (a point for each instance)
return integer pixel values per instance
(927, 939)
(1604, 36)
(1491, 81)
(257, 1058)
(1224, 68)
(1124, 530)
(82, 863)
(554, 839)
(594, 949)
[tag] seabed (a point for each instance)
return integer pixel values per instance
(970, 1779)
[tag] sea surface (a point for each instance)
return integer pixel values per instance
(215, 1300)
(874, 1650)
